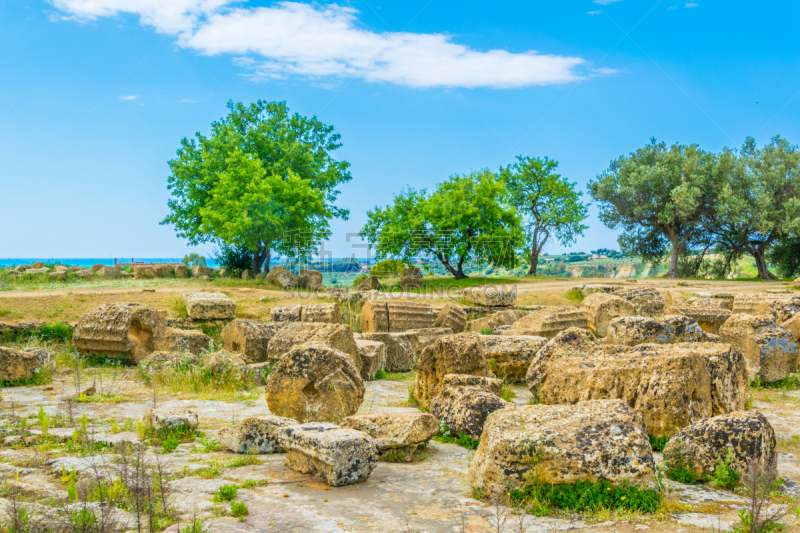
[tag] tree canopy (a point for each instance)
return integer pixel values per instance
(464, 219)
(263, 180)
(549, 203)
(658, 196)
(757, 199)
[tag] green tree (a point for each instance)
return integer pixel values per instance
(785, 255)
(758, 199)
(263, 180)
(549, 203)
(194, 259)
(464, 219)
(657, 195)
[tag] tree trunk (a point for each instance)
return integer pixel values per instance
(457, 273)
(673, 260)
(536, 248)
(761, 262)
(259, 256)
(534, 261)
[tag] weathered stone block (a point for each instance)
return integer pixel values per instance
(770, 350)
(143, 272)
(597, 440)
(400, 349)
(17, 365)
(670, 329)
(646, 302)
(465, 408)
(548, 322)
(373, 357)
(255, 435)
(710, 319)
(457, 354)
(286, 313)
(339, 456)
(452, 317)
(510, 356)
(249, 337)
(321, 313)
(671, 391)
(122, 330)
(315, 382)
(743, 435)
(186, 340)
(496, 320)
(282, 278)
(395, 316)
(601, 308)
(208, 305)
(337, 336)
(395, 430)
(163, 270)
(494, 295)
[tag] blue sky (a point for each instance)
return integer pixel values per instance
(96, 95)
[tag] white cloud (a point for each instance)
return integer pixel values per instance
(129, 97)
(292, 38)
(605, 2)
(691, 4)
(186, 101)
(593, 13)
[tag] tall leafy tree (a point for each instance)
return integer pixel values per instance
(549, 203)
(466, 218)
(757, 200)
(264, 180)
(657, 195)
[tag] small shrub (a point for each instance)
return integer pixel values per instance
(658, 443)
(380, 374)
(724, 477)
(225, 493)
(239, 510)
(575, 295)
(486, 331)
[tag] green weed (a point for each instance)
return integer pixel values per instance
(724, 477)
(658, 443)
(463, 440)
(507, 393)
(575, 295)
(538, 498)
(239, 510)
(225, 493)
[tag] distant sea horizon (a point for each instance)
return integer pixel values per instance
(89, 261)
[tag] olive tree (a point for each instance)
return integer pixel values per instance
(658, 196)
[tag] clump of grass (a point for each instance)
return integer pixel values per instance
(225, 383)
(225, 493)
(406, 454)
(380, 374)
(506, 392)
(239, 511)
(658, 443)
(252, 483)
(400, 376)
(486, 331)
(179, 308)
(575, 295)
(538, 498)
(448, 437)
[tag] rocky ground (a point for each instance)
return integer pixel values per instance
(429, 494)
